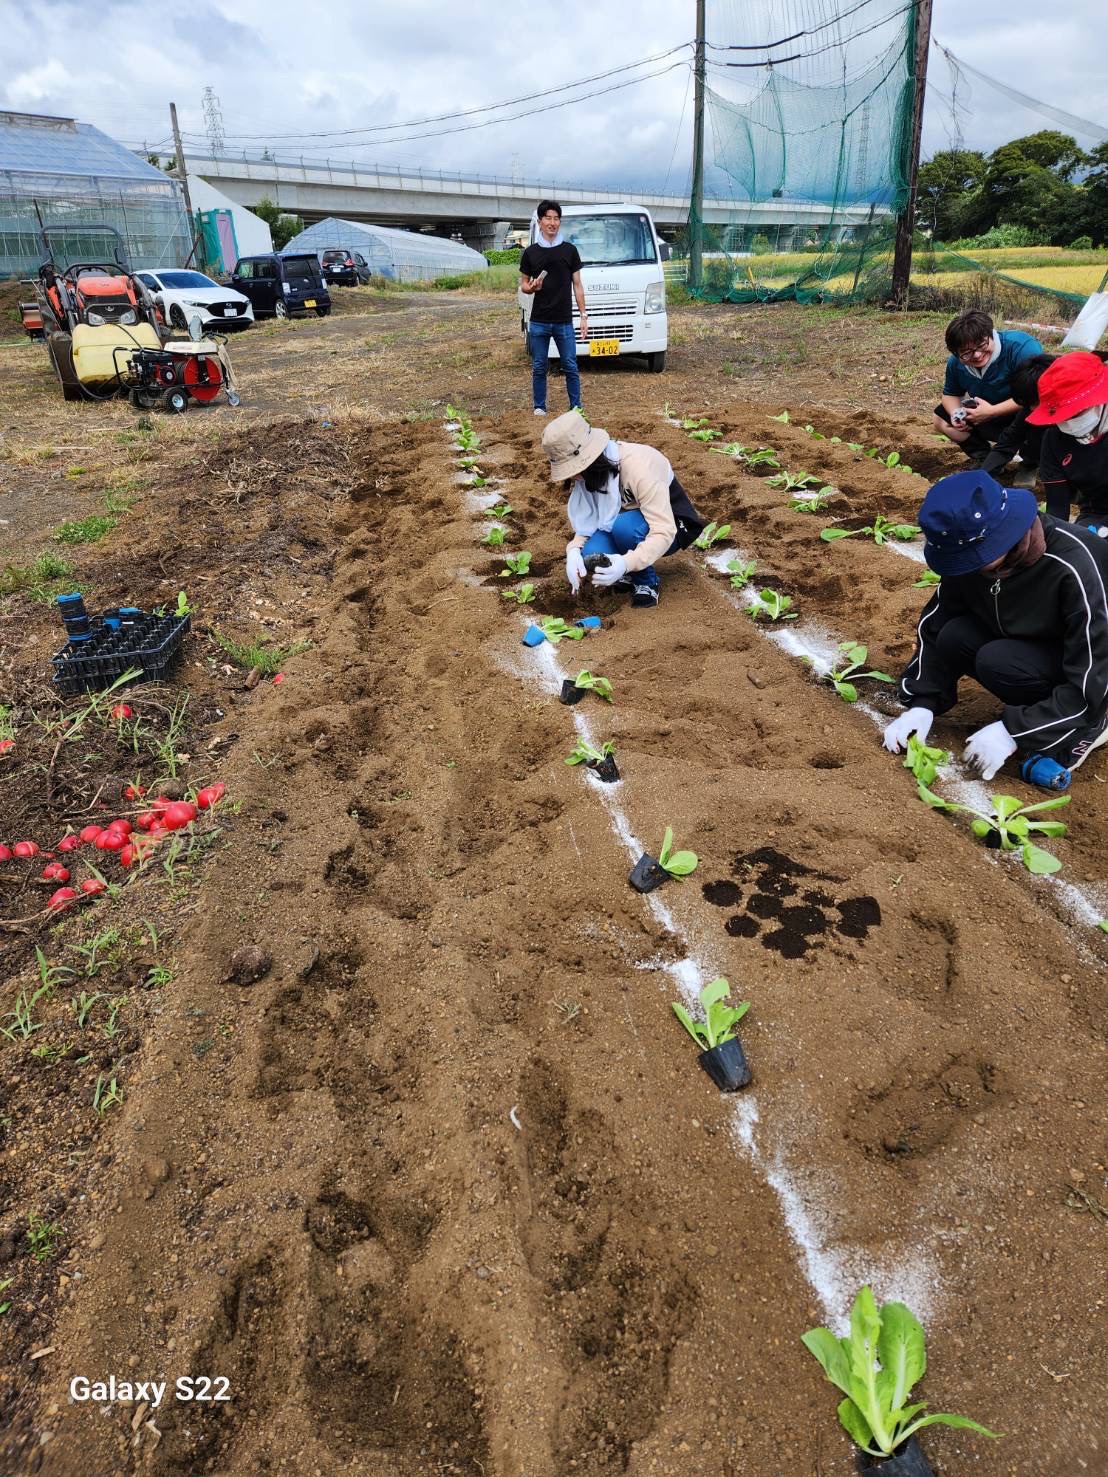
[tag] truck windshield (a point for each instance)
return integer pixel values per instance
(611, 240)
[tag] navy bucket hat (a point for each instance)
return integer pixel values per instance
(968, 520)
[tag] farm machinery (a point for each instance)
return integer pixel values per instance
(105, 337)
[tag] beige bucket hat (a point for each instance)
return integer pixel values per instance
(572, 445)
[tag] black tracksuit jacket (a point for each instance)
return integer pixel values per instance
(1061, 598)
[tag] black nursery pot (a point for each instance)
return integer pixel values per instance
(646, 874)
(607, 770)
(570, 692)
(906, 1461)
(726, 1065)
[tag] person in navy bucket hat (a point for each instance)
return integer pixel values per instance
(1021, 607)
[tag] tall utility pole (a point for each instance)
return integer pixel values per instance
(213, 122)
(902, 255)
(696, 200)
(183, 176)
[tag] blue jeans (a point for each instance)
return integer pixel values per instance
(538, 342)
(626, 533)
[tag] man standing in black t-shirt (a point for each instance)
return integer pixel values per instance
(549, 269)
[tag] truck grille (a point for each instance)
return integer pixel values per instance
(611, 318)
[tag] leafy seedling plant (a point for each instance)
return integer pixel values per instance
(523, 596)
(516, 564)
(502, 510)
(600, 685)
(713, 533)
(495, 536)
(875, 1368)
(855, 654)
(584, 753)
(676, 863)
(694, 423)
(881, 530)
(554, 628)
(1009, 827)
(765, 456)
(783, 419)
(773, 607)
(813, 502)
(719, 1021)
(792, 481)
(926, 580)
(924, 760)
(741, 572)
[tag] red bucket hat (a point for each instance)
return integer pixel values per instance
(1073, 384)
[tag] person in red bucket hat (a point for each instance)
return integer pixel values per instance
(1073, 406)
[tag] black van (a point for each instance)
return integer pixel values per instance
(282, 285)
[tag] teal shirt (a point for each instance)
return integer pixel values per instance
(994, 385)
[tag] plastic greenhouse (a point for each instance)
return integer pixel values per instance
(78, 175)
(404, 256)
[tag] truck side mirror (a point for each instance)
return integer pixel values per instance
(665, 251)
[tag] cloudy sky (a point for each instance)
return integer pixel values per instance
(285, 74)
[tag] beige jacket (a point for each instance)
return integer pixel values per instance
(644, 477)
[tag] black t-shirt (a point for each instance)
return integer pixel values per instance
(1084, 468)
(553, 303)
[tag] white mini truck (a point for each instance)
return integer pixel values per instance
(625, 289)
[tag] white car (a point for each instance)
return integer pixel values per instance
(181, 294)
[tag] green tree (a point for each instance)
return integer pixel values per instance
(282, 226)
(945, 182)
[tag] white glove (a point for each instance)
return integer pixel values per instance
(575, 567)
(915, 720)
(987, 749)
(612, 572)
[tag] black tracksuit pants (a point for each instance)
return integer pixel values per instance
(1016, 672)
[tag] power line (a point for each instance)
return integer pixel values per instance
(796, 35)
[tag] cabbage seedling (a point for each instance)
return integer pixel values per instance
(554, 628)
(495, 535)
(690, 423)
(1007, 827)
(516, 564)
(501, 510)
(813, 502)
(855, 655)
(792, 482)
(584, 753)
(881, 530)
(765, 456)
(478, 480)
(732, 449)
(719, 1020)
(600, 685)
(741, 572)
(523, 596)
(773, 606)
(924, 760)
(676, 863)
(714, 533)
(926, 580)
(875, 1368)
(707, 434)
(784, 418)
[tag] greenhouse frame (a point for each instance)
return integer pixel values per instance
(75, 176)
(402, 256)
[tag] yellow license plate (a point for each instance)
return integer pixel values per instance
(309, 302)
(599, 346)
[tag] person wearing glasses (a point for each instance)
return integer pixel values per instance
(977, 406)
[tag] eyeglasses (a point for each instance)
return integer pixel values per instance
(985, 347)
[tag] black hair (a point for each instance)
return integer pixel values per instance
(967, 330)
(596, 474)
(544, 205)
(1025, 379)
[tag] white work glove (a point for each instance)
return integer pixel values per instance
(987, 749)
(611, 573)
(575, 567)
(915, 720)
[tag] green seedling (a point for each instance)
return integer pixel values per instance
(924, 760)
(51, 975)
(467, 463)
(858, 445)
(875, 1368)
(516, 564)
(741, 572)
(94, 951)
(495, 536)
(719, 1020)
(1008, 826)
(584, 753)
(773, 607)
(676, 863)
(926, 580)
(501, 510)
(42, 1236)
(783, 419)
(881, 530)
(183, 607)
(478, 480)
(813, 502)
(454, 414)
(600, 685)
(732, 449)
(22, 1016)
(810, 430)
(4, 1285)
(855, 654)
(523, 596)
(689, 423)
(713, 533)
(554, 628)
(260, 653)
(707, 434)
(81, 1006)
(106, 1094)
(765, 456)
(88, 530)
(792, 481)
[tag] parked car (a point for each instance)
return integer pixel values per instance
(181, 294)
(346, 267)
(283, 285)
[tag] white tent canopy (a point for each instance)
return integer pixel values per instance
(404, 256)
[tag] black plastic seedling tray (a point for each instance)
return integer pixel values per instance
(149, 643)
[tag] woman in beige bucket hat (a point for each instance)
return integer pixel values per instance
(625, 506)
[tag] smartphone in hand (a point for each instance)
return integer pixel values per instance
(541, 277)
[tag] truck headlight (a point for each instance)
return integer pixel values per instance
(129, 317)
(656, 298)
(95, 320)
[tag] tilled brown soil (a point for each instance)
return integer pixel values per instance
(444, 1191)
